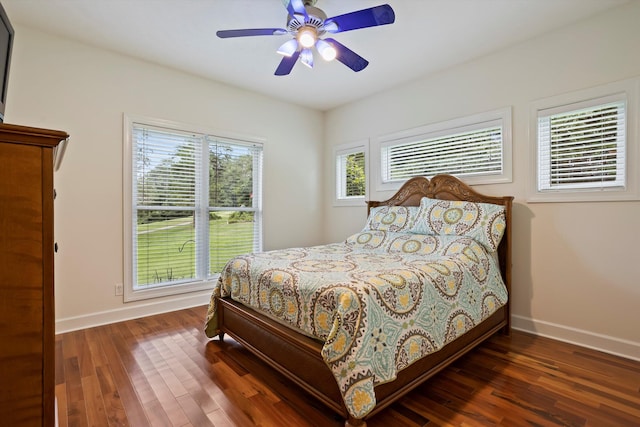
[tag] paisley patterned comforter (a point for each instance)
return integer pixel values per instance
(379, 301)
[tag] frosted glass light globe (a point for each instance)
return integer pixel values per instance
(307, 37)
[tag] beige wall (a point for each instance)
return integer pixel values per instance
(575, 266)
(60, 84)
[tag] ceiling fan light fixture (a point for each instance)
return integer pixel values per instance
(307, 36)
(288, 48)
(326, 50)
(307, 25)
(306, 57)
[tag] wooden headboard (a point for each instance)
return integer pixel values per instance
(448, 187)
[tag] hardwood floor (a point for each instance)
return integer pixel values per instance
(163, 371)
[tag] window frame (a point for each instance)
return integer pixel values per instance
(442, 129)
(339, 174)
(205, 282)
(623, 91)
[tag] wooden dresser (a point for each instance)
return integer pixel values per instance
(27, 323)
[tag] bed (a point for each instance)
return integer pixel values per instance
(360, 323)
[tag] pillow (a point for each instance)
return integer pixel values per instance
(391, 218)
(371, 239)
(418, 244)
(483, 222)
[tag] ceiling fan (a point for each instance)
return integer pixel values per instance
(307, 24)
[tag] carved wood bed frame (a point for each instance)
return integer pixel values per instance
(298, 357)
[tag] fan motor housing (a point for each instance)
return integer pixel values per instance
(316, 17)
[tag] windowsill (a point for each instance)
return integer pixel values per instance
(168, 290)
(359, 202)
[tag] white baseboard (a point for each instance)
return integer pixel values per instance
(604, 343)
(132, 311)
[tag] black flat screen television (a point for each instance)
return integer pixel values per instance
(6, 43)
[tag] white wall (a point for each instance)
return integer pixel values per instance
(60, 84)
(575, 265)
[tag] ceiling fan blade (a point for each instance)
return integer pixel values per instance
(297, 10)
(224, 34)
(287, 63)
(378, 15)
(347, 56)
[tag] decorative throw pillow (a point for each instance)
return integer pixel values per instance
(483, 222)
(391, 218)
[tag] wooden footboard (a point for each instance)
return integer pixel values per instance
(294, 355)
(298, 357)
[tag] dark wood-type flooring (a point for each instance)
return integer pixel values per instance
(163, 371)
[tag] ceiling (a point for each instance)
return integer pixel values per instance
(428, 36)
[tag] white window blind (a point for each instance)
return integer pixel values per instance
(165, 203)
(195, 203)
(474, 152)
(234, 201)
(583, 148)
(475, 148)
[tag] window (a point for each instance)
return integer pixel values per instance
(582, 147)
(476, 149)
(193, 202)
(351, 174)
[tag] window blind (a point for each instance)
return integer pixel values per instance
(165, 170)
(582, 148)
(474, 152)
(234, 201)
